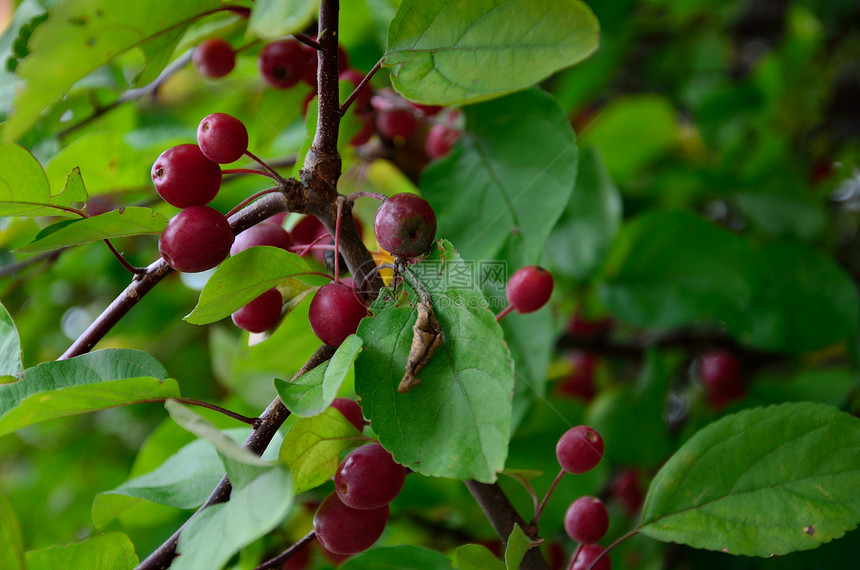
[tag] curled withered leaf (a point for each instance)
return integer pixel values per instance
(426, 338)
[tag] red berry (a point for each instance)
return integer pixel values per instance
(261, 314)
(580, 382)
(440, 139)
(264, 233)
(368, 478)
(184, 177)
(214, 58)
(283, 63)
(579, 449)
(529, 288)
(405, 225)
(587, 555)
(196, 239)
(588, 328)
(351, 411)
(222, 138)
(722, 377)
(335, 312)
(627, 490)
(343, 530)
(586, 520)
(396, 124)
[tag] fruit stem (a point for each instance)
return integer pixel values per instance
(615, 543)
(279, 560)
(122, 261)
(575, 554)
(251, 198)
(354, 95)
(504, 313)
(546, 497)
(337, 238)
(365, 194)
(265, 173)
(280, 179)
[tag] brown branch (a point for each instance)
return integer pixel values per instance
(278, 561)
(158, 270)
(502, 516)
(257, 442)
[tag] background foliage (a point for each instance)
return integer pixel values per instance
(708, 198)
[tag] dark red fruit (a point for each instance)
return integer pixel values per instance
(579, 449)
(580, 382)
(343, 530)
(351, 411)
(335, 312)
(627, 490)
(196, 239)
(395, 124)
(368, 478)
(214, 58)
(184, 177)
(586, 520)
(261, 314)
(427, 110)
(588, 328)
(440, 139)
(529, 288)
(722, 377)
(264, 233)
(587, 555)
(405, 225)
(222, 138)
(283, 63)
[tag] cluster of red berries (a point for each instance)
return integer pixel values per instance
(287, 62)
(188, 176)
(351, 519)
(579, 383)
(586, 521)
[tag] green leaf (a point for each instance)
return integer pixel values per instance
(577, 246)
(11, 540)
(105, 158)
(630, 418)
(94, 381)
(510, 171)
(456, 422)
(124, 222)
(314, 391)
(243, 277)
(633, 131)
(763, 482)
(518, 544)
(398, 558)
(783, 296)
(184, 481)
(24, 188)
(476, 557)
(109, 550)
(74, 189)
(446, 52)
(10, 345)
(312, 447)
(82, 35)
(273, 19)
(211, 538)
(242, 465)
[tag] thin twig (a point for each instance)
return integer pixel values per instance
(546, 497)
(123, 261)
(270, 420)
(354, 95)
(279, 560)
